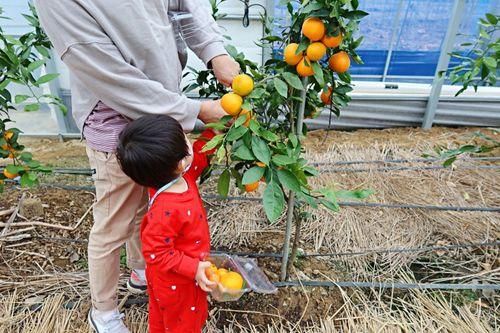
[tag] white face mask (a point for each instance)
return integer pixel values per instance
(190, 153)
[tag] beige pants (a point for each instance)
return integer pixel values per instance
(120, 206)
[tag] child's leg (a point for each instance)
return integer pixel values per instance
(118, 201)
(155, 321)
(185, 311)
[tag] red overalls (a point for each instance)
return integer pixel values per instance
(175, 237)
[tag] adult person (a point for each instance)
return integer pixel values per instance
(124, 63)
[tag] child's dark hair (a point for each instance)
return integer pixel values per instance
(150, 149)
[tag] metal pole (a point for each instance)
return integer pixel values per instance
(444, 61)
(291, 196)
(393, 39)
(55, 89)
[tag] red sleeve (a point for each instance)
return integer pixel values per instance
(158, 244)
(200, 159)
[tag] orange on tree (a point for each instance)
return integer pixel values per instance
(231, 103)
(232, 281)
(261, 164)
(242, 85)
(251, 187)
(339, 62)
(8, 174)
(332, 41)
(313, 28)
(8, 135)
(304, 67)
(5, 147)
(316, 51)
(326, 97)
(290, 54)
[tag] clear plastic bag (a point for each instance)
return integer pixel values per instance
(254, 278)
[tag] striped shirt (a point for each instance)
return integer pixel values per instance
(103, 127)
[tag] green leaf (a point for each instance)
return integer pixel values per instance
(244, 153)
(240, 121)
(223, 183)
(32, 107)
(253, 175)
(216, 140)
(449, 161)
(332, 205)
(235, 133)
(33, 164)
(254, 126)
(26, 157)
(289, 180)
(281, 87)
(490, 62)
(355, 15)
(269, 136)
(20, 98)
(217, 126)
(293, 80)
(13, 169)
(311, 171)
(293, 139)
(46, 78)
(35, 65)
(492, 18)
(318, 73)
(274, 201)
(261, 150)
(257, 93)
(27, 181)
(355, 194)
(283, 160)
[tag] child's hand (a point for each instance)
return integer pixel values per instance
(202, 279)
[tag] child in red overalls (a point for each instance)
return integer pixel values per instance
(154, 152)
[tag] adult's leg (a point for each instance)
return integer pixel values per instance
(115, 214)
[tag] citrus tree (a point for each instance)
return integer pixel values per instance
(260, 144)
(21, 59)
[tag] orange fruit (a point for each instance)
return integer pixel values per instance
(242, 85)
(261, 164)
(8, 135)
(222, 271)
(304, 68)
(326, 97)
(290, 56)
(313, 28)
(232, 281)
(11, 155)
(252, 187)
(231, 103)
(9, 175)
(249, 115)
(212, 274)
(339, 62)
(316, 51)
(5, 147)
(332, 41)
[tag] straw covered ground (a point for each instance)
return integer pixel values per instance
(43, 280)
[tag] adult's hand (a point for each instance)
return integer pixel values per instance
(211, 112)
(225, 69)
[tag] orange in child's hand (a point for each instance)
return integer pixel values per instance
(222, 271)
(212, 273)
(232, 281)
